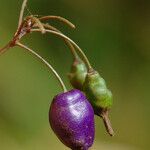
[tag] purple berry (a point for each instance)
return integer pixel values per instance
(71, 117)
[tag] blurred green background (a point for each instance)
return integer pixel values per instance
(115, 36)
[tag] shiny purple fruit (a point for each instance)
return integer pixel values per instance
(71, 117)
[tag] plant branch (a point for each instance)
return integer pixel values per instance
(71, 47)
(58, 18)
(85, 59)
(22, 12)
(4, 49)
(37, 23)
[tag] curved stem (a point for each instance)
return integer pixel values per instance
(45, 62)
(5, 48)
(71, 47)
(85, 59)
(42, 27)
(38, 23)
(22, 12)
(58, 18)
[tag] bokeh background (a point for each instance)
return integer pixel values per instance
(114, 34)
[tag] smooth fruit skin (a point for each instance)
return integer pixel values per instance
(71, 117)
(96, 91)
(77, 74)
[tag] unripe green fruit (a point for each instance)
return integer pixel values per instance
(99, 96)
(77, 74)
(97, 92)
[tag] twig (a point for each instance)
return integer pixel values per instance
(89, 67)
(4, 49)
(71, 47)
(21, 13)
(38, 23)
(60, 19)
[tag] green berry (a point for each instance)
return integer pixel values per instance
(97, 92)
(99, 96)
(77, 74)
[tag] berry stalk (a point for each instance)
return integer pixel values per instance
(85, 59)
(46, 63)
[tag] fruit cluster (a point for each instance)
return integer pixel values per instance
(71, 113)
